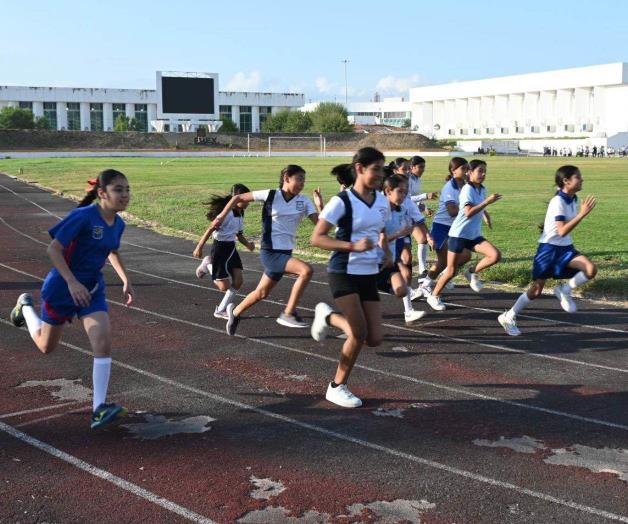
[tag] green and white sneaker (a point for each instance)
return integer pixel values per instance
(106, 413)
(25, 299)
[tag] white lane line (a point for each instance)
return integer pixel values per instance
(51, 417)
(333, 434)
(378, 371)
(393, 326)
(105, 475)
(474, 308)
(38, 410)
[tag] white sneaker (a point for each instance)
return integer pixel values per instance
(221, 314)
(204, 267)
(292, 321)
(413, 315)
(319, 326)
(341, 396)
(563, 294)
(474, 281)
(509, 325)
(436, 303)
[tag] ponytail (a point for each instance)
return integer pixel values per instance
(454, 164)
(345, 173)
(217, 203)
(104, 178)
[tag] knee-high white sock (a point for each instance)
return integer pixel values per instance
(579, 279)
(407, 303)
(33, 322)
(227, 299)
(100, 379)
(422, 251)
(521, 302)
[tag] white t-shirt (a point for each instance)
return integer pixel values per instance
(561, 207)
(280, 217)
(355, 220)
(414, 189)
(229, 229)
(449, 194)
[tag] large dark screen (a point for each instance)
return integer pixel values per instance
(187, 95)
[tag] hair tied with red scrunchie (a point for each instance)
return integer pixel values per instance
(93, 182)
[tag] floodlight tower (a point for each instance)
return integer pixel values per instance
(345, 62)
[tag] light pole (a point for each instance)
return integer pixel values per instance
(345, 62)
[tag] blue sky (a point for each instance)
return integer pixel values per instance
(290, 46)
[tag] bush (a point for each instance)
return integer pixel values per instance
(14, 118)
(42, 123)
(121, 123)
(330, 117)
(228, 125)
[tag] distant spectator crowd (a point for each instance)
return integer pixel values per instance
(586, 151)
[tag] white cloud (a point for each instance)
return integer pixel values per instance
(398, 85)
(244, 82)
(324, 85)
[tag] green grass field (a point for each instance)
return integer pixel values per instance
(170, 192)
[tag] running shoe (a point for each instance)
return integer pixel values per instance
(25, 299)
(341, 396)
(474, 281)
(413, 315)
(106, 413)
(292, 321)
(436, 303)
(509, 324)
(221, 314)
(320, 327)
(563, 294)
(204, 267)
(232, 320)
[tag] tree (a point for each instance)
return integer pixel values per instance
(228, 125)
(330, 117)
(406, 124)
(134, 125)
(42, 123)
(286, 121)
(276, 123)
(121, 123)
(14, 118)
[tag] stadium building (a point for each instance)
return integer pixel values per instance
(181, 102)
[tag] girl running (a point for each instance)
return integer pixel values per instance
(399, 225)
(466, 234)
(224, 263)
(444, 217)
(556, 257)
(81, 244)
(359, 215)
(417, 168)
(282, 211)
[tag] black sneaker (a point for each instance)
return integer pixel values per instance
(25, 299)
(232, 320)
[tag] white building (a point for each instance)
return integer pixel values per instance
(589, 104)
(393, 111)
(96, 109)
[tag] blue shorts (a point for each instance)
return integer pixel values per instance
(57, 306)
(274, 262)
(459, 244)
(440, 234)
(551, 261)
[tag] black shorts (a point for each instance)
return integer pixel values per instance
(383, 278)
(365, 286)
(225, 258)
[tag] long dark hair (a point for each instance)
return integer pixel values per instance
(417, 160)
(454, 164)
(563, 173)
(103, 179)
(288, 171)
(397, 163)
(217, 203)
(345, 173)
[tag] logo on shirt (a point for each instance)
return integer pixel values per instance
(382, 212)
(300, 205)
(97, 232)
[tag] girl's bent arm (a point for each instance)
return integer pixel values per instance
(245, 242)
(127, 289)
(564, 228)
(198, 251)
(470, 210)
(244, 197)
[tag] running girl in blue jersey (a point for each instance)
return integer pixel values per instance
(556, 257)
(359, 215)
(224, 263)
(282, 211)
(81, 244)
(466, 234)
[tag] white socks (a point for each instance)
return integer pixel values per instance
(100, 379)
(422, 251)
(521, 302)
(227, 299)
(579, 279)
(407, 303)
(33, 322)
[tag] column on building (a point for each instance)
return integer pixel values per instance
(151, 116)
(235, 115)
(38, 110)
(450, 117)
(565, 107)
(130, 110)
(531, 112)
(461, 122)
(255, 119)
(501, 115)
(85, 116)
(515, 110)
(582, 108)
(107, 116)
(62, 115)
